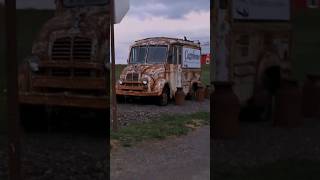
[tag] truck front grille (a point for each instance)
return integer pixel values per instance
(132, 77)
(72, 49)
(61, 49)
(82, 49)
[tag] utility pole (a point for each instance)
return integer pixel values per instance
(113, 73)
(12, 96)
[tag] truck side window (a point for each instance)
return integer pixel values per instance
(171, 56)
(176, 54)
(179, 54)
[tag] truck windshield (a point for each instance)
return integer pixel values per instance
(76, 3)
(148, 54)
(138, 55)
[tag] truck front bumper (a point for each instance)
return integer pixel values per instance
(135, 92)
(50, 99)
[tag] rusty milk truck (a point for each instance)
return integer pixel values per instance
(69, 65)
(159, 66)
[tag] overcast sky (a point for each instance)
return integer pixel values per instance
(149, 18)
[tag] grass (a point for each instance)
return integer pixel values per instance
(279, 170)
(205, 76)
(160, 129)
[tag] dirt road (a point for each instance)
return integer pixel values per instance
(186, 157)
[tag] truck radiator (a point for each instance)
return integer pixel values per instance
(72, 49)
(132, 77)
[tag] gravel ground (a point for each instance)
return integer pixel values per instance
(65, 156)
(137, 112)
(60, 157)
(186, 157)
(259, 143)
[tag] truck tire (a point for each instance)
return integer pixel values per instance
(164, 97)
(192, 93)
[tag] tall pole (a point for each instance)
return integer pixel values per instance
(113, 73)
(12, 96)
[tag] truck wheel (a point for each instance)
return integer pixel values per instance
(164, 97)
(192, 93)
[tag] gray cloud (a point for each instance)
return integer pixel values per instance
(174, 9)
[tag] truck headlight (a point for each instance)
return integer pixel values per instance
(145, 82)
(33, 63)
(120, 82)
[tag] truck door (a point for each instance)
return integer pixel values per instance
(177, 54)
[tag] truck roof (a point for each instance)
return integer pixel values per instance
(165, 41)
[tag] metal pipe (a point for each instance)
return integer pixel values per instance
(113, 73)
(12, 96)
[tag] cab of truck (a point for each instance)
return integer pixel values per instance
(158, 67)
(68, 65)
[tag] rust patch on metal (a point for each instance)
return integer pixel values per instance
(70, 54)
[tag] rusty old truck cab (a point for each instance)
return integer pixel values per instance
(69, 62)
(158, 66)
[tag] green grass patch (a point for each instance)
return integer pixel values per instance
(167, 125)
(279, 170)
(205, 76)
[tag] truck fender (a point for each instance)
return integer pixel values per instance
(159, 85)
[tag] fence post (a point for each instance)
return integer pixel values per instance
(113, 74)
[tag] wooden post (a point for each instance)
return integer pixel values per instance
(113, 73)
(12, 86)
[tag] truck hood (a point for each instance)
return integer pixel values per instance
(82, 22)
(145, 71)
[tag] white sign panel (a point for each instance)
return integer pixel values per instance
(191, 58)
(261, 10)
